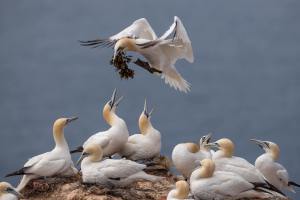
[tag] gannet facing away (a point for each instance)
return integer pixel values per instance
(56, 162)
(181, 191)
(206, 183)
(110, 172)
(8, 192)
(161, 53)
(145, 145)
(274, 172)
(186, 156)
(113, 139)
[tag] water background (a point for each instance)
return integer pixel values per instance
(245, 78)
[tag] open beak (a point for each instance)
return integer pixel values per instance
(260, 143)
(212, 145)
(113, 102)
(71, 119)
(207, 138)
(83, 155)
(148, 114)
(14, 192)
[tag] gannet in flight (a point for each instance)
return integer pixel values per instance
(206, 183)
(113, 139)
(110, 172)
(225, 161)
(161, 53)
(274, 172)
(145, 145)
(186, 156)
(8, 192)
(56, 162)
(181, 191)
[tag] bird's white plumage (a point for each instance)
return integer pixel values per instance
(8, 192)
(8, 197)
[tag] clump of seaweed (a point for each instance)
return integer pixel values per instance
(121, 64)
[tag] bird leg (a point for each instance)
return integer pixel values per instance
(146, 66)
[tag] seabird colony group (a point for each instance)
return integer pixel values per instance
(207, 174)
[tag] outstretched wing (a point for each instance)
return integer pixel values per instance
(138, 29)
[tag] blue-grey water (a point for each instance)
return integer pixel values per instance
(245, 78)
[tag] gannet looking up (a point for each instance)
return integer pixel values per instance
(56, 162)
(146, 145)
(181, 191)
(110, 172)
(206, 183)
(113, 139)
(8, 192)
(274, 172)
(186, 156)
(161, 53)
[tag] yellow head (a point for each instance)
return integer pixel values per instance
(144, 120)
(182, 190)
(192, 147)
(269, 147)
(93, 152)
(207, 168)
(6, 188)
(125, 44)
(110, 108)
(225, 145)
(58, 128)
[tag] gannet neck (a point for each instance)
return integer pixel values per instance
(58, 133)
(127, 44)
(110, 116)
(207, 168)
(273, 150)
(145, 124)
(182, 190)
(192, 147)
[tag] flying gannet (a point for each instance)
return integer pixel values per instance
(146, 145)
(110, 172)
(274, 172)
(8, 192)
(186, 156)
(161, 53)
(56, 162)
(206, 183)
(181, 191)
(113, 139)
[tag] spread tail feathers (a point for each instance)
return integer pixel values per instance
(17, 173)
(77, 150)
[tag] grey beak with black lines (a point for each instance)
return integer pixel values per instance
(261, 144)
(148, 114)
(83, 155)
(113, 102)
(14, 192)
(69, 120)
(212, 145)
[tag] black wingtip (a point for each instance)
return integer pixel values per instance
(294, 184)
(16, 173)
(77, 150)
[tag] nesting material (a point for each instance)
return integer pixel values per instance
(121, 64)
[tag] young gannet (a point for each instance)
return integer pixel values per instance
(186, 156)
(145, 145)
(110, 172)
(161, 53)
(8, 192)
(206, 183)
(181, 191)
(56, 162)
(274, 172)
(113, 139)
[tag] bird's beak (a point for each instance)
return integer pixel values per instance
(14, 192)
(212, 145)
(71, 119)
(148, 114)
(260, 143)
(113, 102)
(83, 155)
(207, 138)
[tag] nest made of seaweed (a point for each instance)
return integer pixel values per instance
(120, 62)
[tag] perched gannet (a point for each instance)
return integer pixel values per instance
(206, 183)
(110, 172)
(161, 53)
(8, 192)
(113, 139)
(56, 162)
(274, 172)
(186, 156)
(181, 191)
(146, 145)
(225, 161)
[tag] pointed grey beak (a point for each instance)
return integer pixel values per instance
(260, 143)
(83, 155)
(148, 114)
(71, 119)
(212, 145)
(207, 138)
(113, 102)
(14, 192)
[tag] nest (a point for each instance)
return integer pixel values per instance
(121, 64)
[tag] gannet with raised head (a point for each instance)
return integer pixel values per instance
(145, 145)
(206, 183)
(111, 172)
(56, 162)
(113, 139)
(8, 192)
(161, 53)
(274, 172)
(181, 191)
(186, 156)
